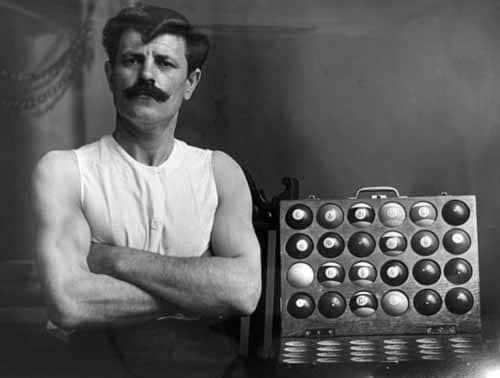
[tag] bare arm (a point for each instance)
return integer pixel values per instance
(75, 296)
(227, 283)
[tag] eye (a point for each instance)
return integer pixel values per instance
(164, 63)
(130, 60)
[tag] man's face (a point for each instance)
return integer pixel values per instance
(161, 63)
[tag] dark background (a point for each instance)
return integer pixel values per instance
(339, 94)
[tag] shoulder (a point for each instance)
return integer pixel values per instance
(228, 174)
(56, 173)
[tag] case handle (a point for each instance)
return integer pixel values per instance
(376, 192)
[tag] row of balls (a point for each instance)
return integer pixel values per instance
(394, 273)
(393, 302)
(391, 214)
(392, 243)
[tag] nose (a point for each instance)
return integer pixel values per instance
(147, 72)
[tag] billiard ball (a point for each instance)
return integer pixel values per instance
(426, 272)
(331, 304)
(423, 214)
(459, 300)
(299, 246)
(361, 244)
(300, 275)
(394, 303)
(456, 241)
(363, 303)
(362, 273)
(330, 215)
(299, 216)
(392, 243)
(361, 214)
(300, 305)
(427, 302)
(331, 274)
(330, 245)
(392, 214)
(458, 271)
(424, 242)
(455, 212)
(394, 272)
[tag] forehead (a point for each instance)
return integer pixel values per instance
(164, 44)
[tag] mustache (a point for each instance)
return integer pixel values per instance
(143, 87)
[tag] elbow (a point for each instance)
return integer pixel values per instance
(247, 301)
(65, 314)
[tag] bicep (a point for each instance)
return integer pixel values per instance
(62, 232)
(233, 234)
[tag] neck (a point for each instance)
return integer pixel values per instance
(149, 145)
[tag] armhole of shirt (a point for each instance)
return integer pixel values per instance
(78, 163)
(212, 176)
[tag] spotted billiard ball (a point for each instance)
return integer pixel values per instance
(330, 245)
(299, 216)
(330, 215)
(456, 241)
(300, 305)
(394, 272)
(458, 271)
(394, 303)
(459, 300)
(299, 246)
(424, 242)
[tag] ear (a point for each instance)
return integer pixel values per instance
(109, 73)
(192, 82)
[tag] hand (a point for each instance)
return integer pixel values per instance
(101, 258)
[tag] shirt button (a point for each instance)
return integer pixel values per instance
(155, 224)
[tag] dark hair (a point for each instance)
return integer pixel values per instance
(150, 22)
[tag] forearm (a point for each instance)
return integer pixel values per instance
(96, 300)
(212, 286)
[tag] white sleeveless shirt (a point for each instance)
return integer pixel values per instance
(168, 209)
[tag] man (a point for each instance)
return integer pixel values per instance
(140, 226)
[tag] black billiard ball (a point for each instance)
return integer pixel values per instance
(424, 242)
(331, 304)
(300, 305)
(363, 303)
(458, 271)
(299, 216)
(456, 241)
(330, 215)
(392, 243)
(426, 272)
(299, 246)
(459, 300)
(361, 214)
(330, 245)
(361, 244)
(427, 302)
(392, 214)
(394, 272)
(331, 274)
(362, 273)
(455, 212)
(394, 303)
(423, 214)
(300, 275)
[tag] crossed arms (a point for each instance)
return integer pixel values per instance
(89, 285)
